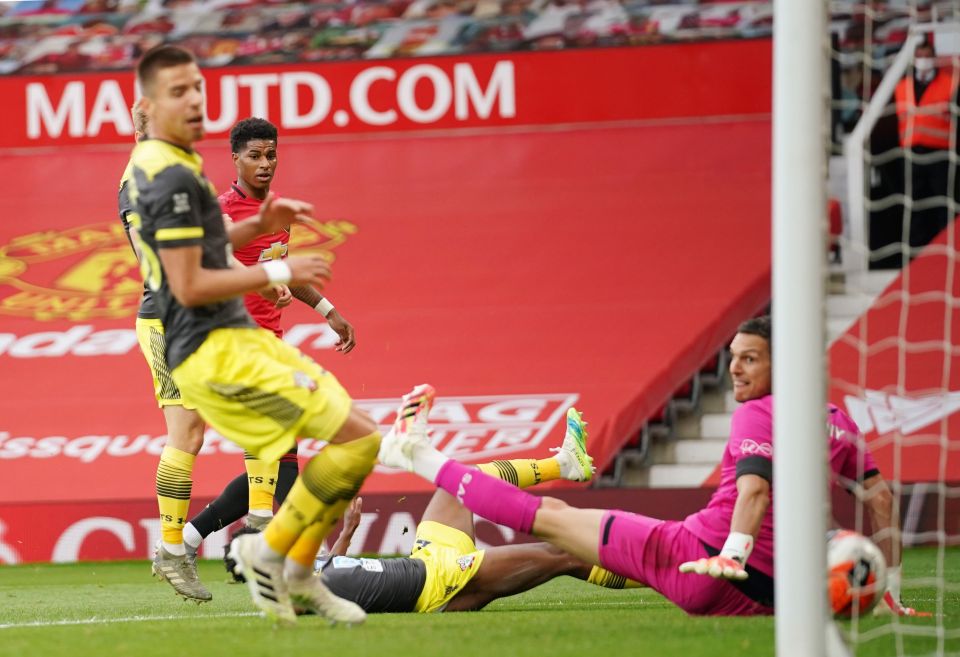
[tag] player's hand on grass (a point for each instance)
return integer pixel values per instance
(890, 606)
(308, 270)
(278, 214)
(717, 567)
(344, 329)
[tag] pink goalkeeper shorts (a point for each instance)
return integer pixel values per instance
(650, 551)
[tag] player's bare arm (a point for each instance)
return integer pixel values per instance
(879, 501)
(192, 285)
(337, 322)
(351, 520)
(753, 498)
(878, 498)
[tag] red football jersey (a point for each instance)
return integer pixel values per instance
(266, 247)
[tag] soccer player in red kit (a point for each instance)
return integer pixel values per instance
(253, 144)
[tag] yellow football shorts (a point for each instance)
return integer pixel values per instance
(260, 392)
(452, 559)
(152, 345)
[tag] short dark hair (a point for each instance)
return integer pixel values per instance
(249, 129)
(140, 120)
(758, 326)
(159, 58)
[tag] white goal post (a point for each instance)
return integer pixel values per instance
(800, 133)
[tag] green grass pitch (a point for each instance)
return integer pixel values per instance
(117, 610)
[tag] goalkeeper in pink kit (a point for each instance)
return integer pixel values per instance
(718, 561)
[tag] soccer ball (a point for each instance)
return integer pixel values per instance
(857, 573)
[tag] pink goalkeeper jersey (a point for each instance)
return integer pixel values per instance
(750, 451)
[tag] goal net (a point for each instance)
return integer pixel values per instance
(893, 313)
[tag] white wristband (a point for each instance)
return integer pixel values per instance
(738, 547)
(278, 272)
(323, 307)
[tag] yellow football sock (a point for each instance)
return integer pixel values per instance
(174, 484)
(261, 482)
(304, 551)
(299, 510)
(523, 473)
(603, 577)
(324, 489)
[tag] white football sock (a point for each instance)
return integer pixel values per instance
(176, 549)
(191, 536)
(427, 461)
(295, 570)
(568, 465)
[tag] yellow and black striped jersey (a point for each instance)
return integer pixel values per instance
(148, 309)
(174, 205)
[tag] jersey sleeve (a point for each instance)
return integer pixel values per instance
(850, 458)
(124, 206)
(751, 441)
(178, 209)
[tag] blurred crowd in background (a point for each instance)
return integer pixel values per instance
(52, 36)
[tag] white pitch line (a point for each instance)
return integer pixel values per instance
(127, 619)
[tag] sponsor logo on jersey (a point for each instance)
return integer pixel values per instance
(275, 251)
(753, 448)
(465, 562)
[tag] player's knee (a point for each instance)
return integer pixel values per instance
(364, 420)
(185, 429)
(358, 425)
(550, 517)
(553, 505)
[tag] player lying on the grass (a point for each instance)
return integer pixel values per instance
(700, 563)
(445, 571)
(256, 390)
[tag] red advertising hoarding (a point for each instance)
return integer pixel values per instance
(514, 89)
(530, 263)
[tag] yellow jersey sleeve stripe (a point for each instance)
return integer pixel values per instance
(186, 233)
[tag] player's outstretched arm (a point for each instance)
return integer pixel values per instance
(275, 214)
(878, 499)
(192, 285)
(351, 520)
(343, 328)
(753, 498)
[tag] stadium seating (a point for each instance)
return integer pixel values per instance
(56, 36)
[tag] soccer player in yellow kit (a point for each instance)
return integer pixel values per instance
(247, 384)
(174, 483)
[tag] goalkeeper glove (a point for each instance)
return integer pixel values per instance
(729, 564)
